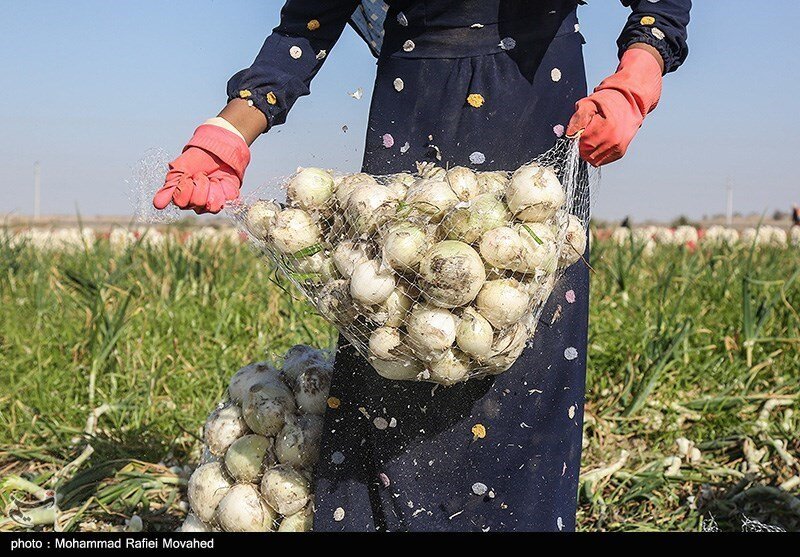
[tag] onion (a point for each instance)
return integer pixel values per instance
(297, 444)
(248, 376)
(451, 368)
(335, 304)
(310, 189)
(507, 348)
(346, 185)
(293, 230)
(404, 246)
(541, 248)
(429, 170)
(534, 193)
(347, 254)
(503, 302)
(492, 182)
(311, 390)
(468, 224)
(371, 285)
(266, 408)
(430, 329)
(224, 426)
(302, 521)
(301, 357)
(247, 456)
(243, 510)
(207, 486)
(315, 269)
(368, 207)
(193, 524)
(398, 185)
(383, 341)
(286, 490)
(515, 249)
(260, 218)
(431, 197)
(406, 369)
(575, 245)
(474, 334)
(451, 274)
(394, 310)
(463, 182)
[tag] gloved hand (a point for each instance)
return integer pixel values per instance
(611, 116)
(208, 173)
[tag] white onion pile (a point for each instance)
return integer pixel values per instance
(438, 276)
(260, 447)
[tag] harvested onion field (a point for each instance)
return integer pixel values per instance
(112, 354)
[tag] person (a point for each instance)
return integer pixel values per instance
(795, 215)
(488, 84)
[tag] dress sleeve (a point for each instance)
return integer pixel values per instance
(291, 56)
(661, 24)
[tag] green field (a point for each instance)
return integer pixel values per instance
(110, 362)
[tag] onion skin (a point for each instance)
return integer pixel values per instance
(370, 285)
(431, 197)
(335, 303)
(383, 341)
(243, 510)
(492, 182)
(207, 486)
(474, 334)
(396, 307)
(297, 445)
(224, 426)
(507, 349)
(302, 521)
(301, 357)
(293, 230)
(575, 244)
(534, 193)
(451, 274)
(399, 370)
(346, 184)
(260, 218)
(266, 408)
(451, 368)
(247, 456)
(468, 224)
(248, 376)
(463, 182)
(311, 390)
(541, 251)
(503, 302)
(193, 524)
(369, 207)
(347, 254)
(286, 490)
(310, 189)
(431, 330)
(404, 246)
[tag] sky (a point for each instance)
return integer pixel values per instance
(87, 87)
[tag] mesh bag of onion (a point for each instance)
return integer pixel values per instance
(439, 275)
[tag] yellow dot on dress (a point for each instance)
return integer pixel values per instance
(245, 94)
(334, 402)
(648, 20)
(479, 431)
(313, 25)
(271, 98)
(476, 100)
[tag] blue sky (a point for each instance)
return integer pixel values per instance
(87, 86)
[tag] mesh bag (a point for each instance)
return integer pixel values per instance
(437, 276)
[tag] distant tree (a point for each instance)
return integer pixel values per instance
(682, 220)
(779, 215)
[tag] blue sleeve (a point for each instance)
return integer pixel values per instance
(661, 24)
(291, 56)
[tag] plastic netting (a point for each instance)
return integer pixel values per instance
(440, 275)
(748, 525)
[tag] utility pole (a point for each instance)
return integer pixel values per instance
(729, 188)
(37, 189)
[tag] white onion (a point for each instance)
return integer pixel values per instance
(404, 246)
(224, 426)
(368, 207)
(266, 408)
(383, 341)
(451, 274)
(302, 521)
(502, 248)
(311, 390)
(492, 182)
(297, 444)
(463, 182)
(207, 486)
(310, 189)
(301, 357)
(429, 170)
(248, 376)
(370, 284)
(395, 309)
(507, 348)
(260, 218)
(431, 329)
(347, 254)
(193, 524)
(541, 248)
(405, 369)
(247, 456)
(398, 185)
(534, 193)
(451, 368)
(575, 244)
(293, 230)
(315, 269)
(468, 224)
(502, 302)
(346, 184)
(474, 334)
(286, 490)
(515, 249)
(431, 197)
(244, 510)
(334, 302)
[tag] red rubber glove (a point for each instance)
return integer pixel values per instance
(611, 116)
(208, 173)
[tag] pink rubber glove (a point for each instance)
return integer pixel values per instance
(611, 116)
(208, 173)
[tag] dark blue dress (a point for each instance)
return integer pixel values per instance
(498, 454)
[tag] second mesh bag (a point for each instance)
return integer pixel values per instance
(437, 276)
